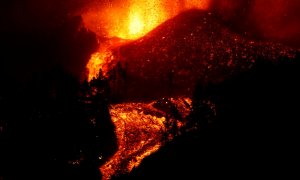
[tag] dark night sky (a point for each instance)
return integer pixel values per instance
(26, 15)
(273, 20)
(37, 35)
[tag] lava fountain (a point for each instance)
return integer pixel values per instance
(139, 134)
(129, 20)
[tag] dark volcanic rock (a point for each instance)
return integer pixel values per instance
(192, 47)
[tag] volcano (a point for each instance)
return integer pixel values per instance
(177, 93)
(192, 47)
(172, 60)
(168, 63)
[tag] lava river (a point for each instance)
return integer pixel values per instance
(141, 129)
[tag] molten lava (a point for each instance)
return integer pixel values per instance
(140, 130)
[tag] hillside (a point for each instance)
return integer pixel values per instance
(192, 47)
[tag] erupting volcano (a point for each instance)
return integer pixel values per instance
(149, 89)
(150, 52)
(129, 21)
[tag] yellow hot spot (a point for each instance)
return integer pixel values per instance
(136, 24)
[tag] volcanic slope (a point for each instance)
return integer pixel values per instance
(192, 47)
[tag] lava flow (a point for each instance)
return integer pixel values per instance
(141, 128)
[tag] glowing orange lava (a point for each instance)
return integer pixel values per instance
(98, 61)
(140, 129)
(138, 135)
